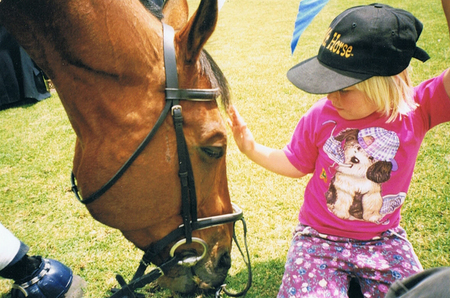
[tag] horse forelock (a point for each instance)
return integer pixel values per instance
(216, 77)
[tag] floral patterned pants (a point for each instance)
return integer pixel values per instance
(320, 265)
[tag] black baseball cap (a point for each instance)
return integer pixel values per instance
(362, 42)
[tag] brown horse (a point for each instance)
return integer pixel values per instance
(105, 59)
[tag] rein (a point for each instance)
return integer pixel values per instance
(188, 196)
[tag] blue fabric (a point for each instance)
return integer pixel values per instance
(307, 10)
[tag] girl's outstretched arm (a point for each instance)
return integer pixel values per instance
(272, 159)
(446, 8)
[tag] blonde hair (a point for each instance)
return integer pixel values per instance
(392, 95)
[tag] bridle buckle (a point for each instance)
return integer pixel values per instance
(176, 107)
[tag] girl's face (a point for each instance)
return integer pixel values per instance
(351, 104)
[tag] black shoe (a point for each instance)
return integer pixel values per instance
(52, 280)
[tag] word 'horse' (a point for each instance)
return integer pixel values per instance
(119, 72)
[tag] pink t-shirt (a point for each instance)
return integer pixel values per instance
(361, 168)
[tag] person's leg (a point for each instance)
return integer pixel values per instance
(381, 262)
(432, 283)
(35, 277)
(313, 267)
(21, 269)
(12, 250)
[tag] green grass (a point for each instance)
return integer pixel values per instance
(252, 46)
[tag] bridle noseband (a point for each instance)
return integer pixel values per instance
(188, 196)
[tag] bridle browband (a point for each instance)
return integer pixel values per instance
(188, 196)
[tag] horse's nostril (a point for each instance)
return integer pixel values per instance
(225, 261)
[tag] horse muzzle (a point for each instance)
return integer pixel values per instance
(205, 276)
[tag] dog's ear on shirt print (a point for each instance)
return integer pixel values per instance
(349, 134)
(380, 171)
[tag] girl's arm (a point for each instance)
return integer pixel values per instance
(446, 8)
(272, 159)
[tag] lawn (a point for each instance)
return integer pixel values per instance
(252, 46)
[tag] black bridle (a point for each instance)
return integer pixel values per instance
(188, 196)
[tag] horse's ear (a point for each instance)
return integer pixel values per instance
(175, 13)
(199, 28)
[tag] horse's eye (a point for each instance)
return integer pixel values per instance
(213, 152)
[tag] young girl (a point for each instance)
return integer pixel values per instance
(360, 144)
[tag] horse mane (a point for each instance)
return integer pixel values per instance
(209, 66)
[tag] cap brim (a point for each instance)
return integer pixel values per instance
(421, 55)
(313, 77)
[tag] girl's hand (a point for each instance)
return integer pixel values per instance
(242, 135)
(274, 160)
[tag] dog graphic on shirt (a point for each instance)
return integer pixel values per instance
(364, 161)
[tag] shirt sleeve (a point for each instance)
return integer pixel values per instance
(434, 103)
(301, 150)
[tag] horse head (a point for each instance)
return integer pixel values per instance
(106, 61)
